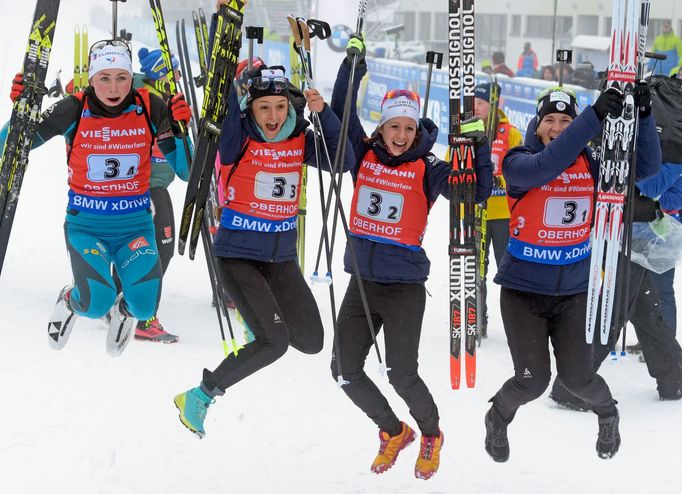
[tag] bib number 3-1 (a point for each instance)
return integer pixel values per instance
(567, 212)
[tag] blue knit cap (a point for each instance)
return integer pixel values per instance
(151, 63)
(483, 91)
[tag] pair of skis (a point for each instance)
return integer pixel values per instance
(219, 81)
(25, 115)
(617, 170)
(463, 246)
(204, 221)
(80, 58)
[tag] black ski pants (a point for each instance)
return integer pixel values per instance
(279, 308)
(661, 350)
(399, 309)
(531, 321)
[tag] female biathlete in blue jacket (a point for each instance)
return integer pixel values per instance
(544, 274)
(109, 129)
(262, 149)
(396, 181)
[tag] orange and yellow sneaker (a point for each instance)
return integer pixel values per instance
(390, 447)
(429, 456)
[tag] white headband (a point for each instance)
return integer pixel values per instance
(110, 57)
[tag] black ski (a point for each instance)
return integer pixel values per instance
(223, 63)
(25, 115)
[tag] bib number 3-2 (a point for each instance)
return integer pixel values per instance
(380, 204)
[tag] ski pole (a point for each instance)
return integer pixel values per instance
(563, 57)
(432, 57)
(253, 33)
(114, 17)
(345, 121)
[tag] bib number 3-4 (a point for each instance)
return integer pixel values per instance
(105, 168)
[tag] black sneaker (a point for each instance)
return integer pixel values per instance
(496, 442)
(608, 441)
(566, 399)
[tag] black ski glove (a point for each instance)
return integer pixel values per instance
(646, 210)
(642, 95)
(608, 102)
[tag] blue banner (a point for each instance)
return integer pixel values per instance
(517, 97)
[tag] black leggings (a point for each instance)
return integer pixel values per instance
(279, 308)
(399, 308)
(530, 322)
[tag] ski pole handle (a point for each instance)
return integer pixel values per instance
(432, 57)
(253, 33)
(319, 29)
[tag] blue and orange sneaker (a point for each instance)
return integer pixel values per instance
(193, 405)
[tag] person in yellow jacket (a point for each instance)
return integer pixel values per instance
(497, 229)
(669, 44)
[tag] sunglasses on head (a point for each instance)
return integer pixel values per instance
(277, 84)
(396, 93)
(551, 90)
(117, 43)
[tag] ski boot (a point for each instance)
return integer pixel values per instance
(390, 447)
(121, 323)
(608, 441)
(496, 441)
(62, 320)
(429, 456)
(193, 405)
(152, 330)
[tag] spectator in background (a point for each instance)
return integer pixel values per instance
(547, 73)
(669, 44)
(527, 65)
(486, 66)
(499, 67)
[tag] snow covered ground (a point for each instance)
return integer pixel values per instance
(79, 421)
